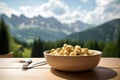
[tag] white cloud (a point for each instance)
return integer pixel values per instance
(55, 8)
(105, 10)
(3, 4)
(63, 12)
(52, 8)
(4, 8)
(84, 1)
(71, 16)
(103, 2)
(94, 16)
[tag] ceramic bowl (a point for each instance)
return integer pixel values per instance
(73, 63)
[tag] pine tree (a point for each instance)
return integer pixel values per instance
(37, 50)
(118, 45)
(4, 38)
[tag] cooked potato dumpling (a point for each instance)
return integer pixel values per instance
(69, 50)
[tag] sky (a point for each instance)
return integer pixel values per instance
(66, 11)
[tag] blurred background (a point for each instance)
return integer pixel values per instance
(29, 27)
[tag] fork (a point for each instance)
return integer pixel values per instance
(35, 64)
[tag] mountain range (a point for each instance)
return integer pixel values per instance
(108, 31)
(27, 29)
(50, 29)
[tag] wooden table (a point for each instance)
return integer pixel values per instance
(11, 69)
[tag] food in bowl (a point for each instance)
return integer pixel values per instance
(69, 50)
(85, 60)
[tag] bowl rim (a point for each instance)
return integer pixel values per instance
(98, 54)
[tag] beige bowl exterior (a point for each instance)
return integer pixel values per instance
(73, 63)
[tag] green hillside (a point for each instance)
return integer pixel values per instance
(108, 31)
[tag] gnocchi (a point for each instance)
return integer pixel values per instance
(69, 50)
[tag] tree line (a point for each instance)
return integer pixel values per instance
(109, 49)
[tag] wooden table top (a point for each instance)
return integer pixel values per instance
(11, 69)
